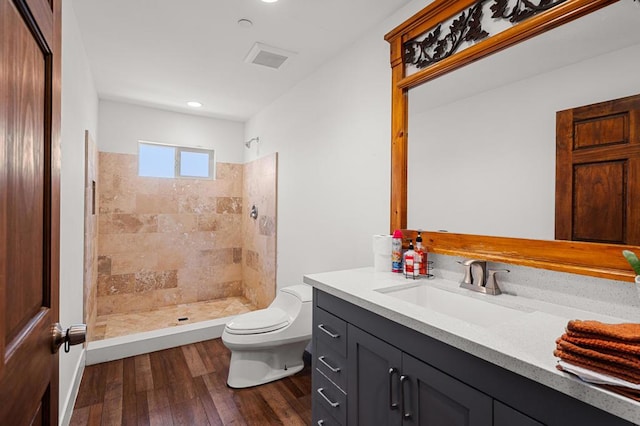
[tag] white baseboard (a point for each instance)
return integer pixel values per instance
(70, 401)
(151, 341)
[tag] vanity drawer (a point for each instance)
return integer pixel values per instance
(321, 416)
(332, 364)
(330, 330)
(330, 397)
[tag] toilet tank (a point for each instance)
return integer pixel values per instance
(303, 292)
(294, 298)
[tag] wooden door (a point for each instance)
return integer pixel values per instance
(598, 172)
(29, 209)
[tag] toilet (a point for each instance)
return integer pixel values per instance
(268, 344)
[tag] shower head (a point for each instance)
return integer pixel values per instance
(248, 143)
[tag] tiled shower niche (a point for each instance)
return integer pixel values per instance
(182, 246)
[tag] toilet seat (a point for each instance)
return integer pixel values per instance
(256, 322)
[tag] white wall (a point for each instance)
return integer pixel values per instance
(122, 125)
(79, 113)
(332, 134)
(490, 166)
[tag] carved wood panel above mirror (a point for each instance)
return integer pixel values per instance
(408, 43)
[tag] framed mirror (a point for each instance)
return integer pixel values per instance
(473, 151)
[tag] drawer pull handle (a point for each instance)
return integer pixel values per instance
(392, 372)
(404, 379)
(329, 366)
(333, 335)
(333, 404)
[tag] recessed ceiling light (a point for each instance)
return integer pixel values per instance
(194, 104)
(269, 1)
(245, 23)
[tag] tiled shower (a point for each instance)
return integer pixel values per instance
(175, 251)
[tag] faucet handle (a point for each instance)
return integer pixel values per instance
(492, 284)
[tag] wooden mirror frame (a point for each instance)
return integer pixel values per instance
(594, 259)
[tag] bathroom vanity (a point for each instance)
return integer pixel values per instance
(391, 351)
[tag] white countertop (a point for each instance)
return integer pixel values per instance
(523, 345)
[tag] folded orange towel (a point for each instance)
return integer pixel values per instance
(626, 332)
(631, 363)
(588, 340)
(624, 350)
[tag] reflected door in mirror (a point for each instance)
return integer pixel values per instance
(598, 172)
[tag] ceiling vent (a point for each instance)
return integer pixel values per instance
(267, 56)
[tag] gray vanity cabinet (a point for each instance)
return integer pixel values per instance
(387, 386)
(506, 416)
(369, 370)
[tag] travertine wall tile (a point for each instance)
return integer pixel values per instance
(253, 260)
(156, 203)
(229, 233)
(104, 265)
(132, 223)
(267, 226)
(237, 255)
(177, 222)
(220, 290)
(259, 236)
(231, 205)
(167, 241)
(92, 264)
(229, 272)
(115, 284)
(127, 263)
(155, 280)
(207, 222)
(171, 241)
(196, 204)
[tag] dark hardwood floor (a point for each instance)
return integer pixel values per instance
(186, 386)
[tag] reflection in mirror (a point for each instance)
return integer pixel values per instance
(482, 138)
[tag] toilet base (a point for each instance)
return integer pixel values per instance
(255, 367)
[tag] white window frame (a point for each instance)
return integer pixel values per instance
(180, 149)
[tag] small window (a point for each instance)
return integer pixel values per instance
(157, 160)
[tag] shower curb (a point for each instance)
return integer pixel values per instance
(150, 341)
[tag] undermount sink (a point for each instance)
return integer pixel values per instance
(474, 311)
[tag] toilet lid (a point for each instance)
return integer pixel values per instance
(261, 321)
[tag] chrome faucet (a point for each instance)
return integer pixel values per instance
(476, 278)
(475, 272)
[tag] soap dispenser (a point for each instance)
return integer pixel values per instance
(409, 259)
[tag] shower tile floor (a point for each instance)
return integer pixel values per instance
(115, 325)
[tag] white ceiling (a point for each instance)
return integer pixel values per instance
(163, 53)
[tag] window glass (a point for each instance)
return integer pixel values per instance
(156, 160)
(194, 164)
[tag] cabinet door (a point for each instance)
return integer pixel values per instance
(503, 415)
(433, 398)
(373, 387)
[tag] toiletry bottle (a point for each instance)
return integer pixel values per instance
(421, 256)
(409, 261)
(396, 251)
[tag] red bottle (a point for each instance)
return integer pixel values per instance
(421, 256)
